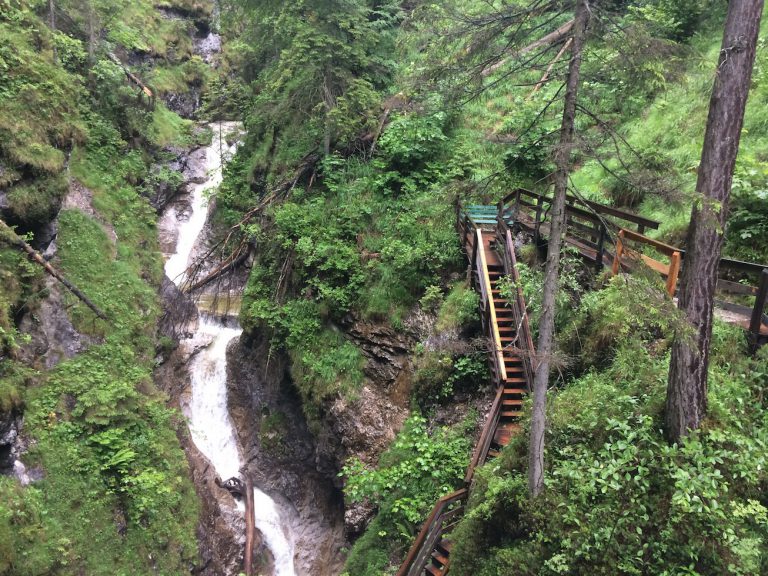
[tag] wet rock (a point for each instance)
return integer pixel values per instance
(185, 104)
(10, 425)
(357, 517)
(196, 168)
(282, 455)
(208, 47)
(387, 352)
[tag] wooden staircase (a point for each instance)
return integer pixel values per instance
(488, 245)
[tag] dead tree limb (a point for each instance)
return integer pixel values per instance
(545, 77)
(551, 38)
(15, 240)
(229, 264)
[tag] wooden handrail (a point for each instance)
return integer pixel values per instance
(597, 207)
(486, 437)
(431, 521)
(522, 313)
(756, 321)
(671, 271)
(491, 308)
(665, 249)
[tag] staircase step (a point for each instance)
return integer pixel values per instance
(514, 380)
(434, 570)
(511, 414)
(493, 453)
(511, 391)
(509, 402)
(441, 559)
(445, 546)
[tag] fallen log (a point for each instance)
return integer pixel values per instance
(229, 264)
(15, 240)
(250, 527)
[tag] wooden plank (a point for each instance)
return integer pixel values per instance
(736, 288)
(250, 527)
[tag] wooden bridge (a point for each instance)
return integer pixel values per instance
(608, 237)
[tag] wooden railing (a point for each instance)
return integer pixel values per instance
(595, 230)
(591, 227)
(519, 310)
(669, 271)
(758, 317)
(446, 510)
(483, 445)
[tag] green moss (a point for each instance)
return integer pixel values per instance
(36, 203)
(167, 128)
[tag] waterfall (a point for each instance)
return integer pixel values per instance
(210, 425)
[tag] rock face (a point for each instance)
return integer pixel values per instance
(10, 424)
(53, 338)
(283, 458)
(286, 457)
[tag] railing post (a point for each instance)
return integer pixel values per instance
(600, 248)
(619, 251)
(674, 270)
(537, 223)
(756, 321)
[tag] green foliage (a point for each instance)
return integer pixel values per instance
(417, 469)
(570, 289)
(292, 49)
(747, 232)
(626, 501)
(459, 309)
(675, 19)
(439, 375)
(629, 306)
(36, 203)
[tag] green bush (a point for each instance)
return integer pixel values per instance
(459, 310)
(412, 474)
(626, 501)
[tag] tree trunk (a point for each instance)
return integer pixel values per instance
(687, 384)
(552, 272)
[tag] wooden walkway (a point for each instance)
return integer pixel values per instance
(606, 236)
(613, 238)
(489, 249)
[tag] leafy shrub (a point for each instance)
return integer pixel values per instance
(460, 309)
(415, 471)
(626, 501)
(747, 232)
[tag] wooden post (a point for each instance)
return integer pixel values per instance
(756, 321)
(250, 527)
(674, 270)
(619, 252)
(600, 248)
(536, 235)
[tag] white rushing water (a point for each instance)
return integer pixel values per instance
(216, 155)
(210, 425)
